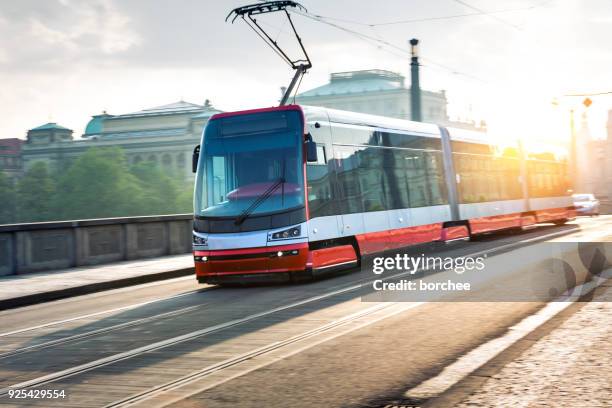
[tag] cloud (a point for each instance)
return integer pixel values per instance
(72, 58)
(54, 35)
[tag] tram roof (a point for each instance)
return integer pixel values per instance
(364, 119)
(314, 113)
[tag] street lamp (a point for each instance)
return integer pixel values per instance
(415, 86)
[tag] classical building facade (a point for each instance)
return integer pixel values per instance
(377, 92)
(10, 158)
(164, 134)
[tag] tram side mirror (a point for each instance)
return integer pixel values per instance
(311, 150)
(195, 158)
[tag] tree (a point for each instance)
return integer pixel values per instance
(35, 195)
(7, 201)
(99, 185)
(159, 190)
(184, 200)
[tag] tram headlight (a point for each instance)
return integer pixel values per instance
(293, 232)
(199, 240)
(280, 254)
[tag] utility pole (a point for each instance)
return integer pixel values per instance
(573, 167)
(577, 164)
(415, 87)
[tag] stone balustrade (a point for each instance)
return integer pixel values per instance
(55, 245)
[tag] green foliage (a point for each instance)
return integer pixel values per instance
(7, 201)
(184, 201)
(35, 195)
(159, 190)
(99, 184)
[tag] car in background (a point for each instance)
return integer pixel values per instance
(586, 204)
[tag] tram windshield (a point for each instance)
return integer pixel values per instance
(251, 165)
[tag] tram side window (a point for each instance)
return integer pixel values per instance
(510, 171)
(547, 178)
(487, 178)
(370, 174)
(320, 196)
(349, 187)
(424, 178)
(417, 179)
(355, 136)
(478, 182)
(360, 135)
(395, 179)
(410, 141)
(474, 183)
(435, 176)
(360, 179)
(377, 179)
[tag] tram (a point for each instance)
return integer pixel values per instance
(292, 192)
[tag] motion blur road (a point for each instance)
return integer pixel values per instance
(176, 343)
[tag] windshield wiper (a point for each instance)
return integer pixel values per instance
(249, 210)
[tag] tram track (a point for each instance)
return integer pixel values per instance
(164, 343)
(180, 386)
(103, 312)
(232, 362)
(163, 299)
(90, 366)
(104, 330)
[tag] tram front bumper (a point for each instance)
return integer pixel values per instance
(274, 263)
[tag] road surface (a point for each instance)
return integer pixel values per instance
(176, 343)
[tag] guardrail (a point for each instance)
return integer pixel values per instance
(63, 244)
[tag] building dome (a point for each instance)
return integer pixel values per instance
(50, 126)
(94, 126)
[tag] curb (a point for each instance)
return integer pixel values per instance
(52, 295)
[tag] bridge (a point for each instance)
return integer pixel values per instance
(128, 325)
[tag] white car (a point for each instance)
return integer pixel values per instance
(586, 204)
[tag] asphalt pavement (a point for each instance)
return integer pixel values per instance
(177, 343)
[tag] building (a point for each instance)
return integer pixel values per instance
(10, 158)
(594, 164)
(380, 92)
(376, 92)
(49, 138)
(164, 134)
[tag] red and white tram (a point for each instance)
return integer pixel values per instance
(294, 191)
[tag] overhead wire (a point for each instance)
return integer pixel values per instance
(382, 42)
(435, 18)
(590, 94)
(391, 48)
(501, 20)
(283, 57)
(379, 40)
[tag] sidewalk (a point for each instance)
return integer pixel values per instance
(569, 367)
(31, 288)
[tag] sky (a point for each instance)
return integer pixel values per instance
(508, 62)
